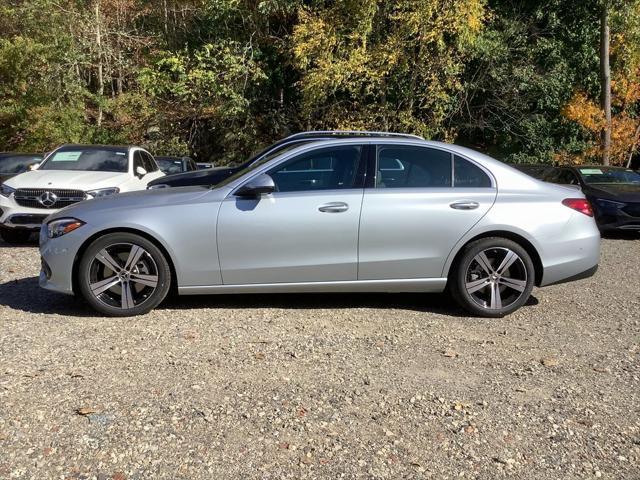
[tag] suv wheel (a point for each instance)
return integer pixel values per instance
(122, 274)
(493, 278)
(15, 235)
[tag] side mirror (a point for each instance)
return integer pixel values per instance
(140, 172)
(34, 166)
(262, 184)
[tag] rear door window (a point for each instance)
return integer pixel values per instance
(407, 166)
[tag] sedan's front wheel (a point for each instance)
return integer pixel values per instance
(123, 274)
(493, 277)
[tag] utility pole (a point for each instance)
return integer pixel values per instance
(605, 82)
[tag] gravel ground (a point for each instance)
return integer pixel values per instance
(324, 386)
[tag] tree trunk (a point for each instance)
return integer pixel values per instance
(99, 64)
(605, 83)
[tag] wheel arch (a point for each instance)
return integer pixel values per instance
(141, 233)
(519, 239)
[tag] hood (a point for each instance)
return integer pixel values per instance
(209, 176)
(69, 179)
(140, 199)
(622, 192)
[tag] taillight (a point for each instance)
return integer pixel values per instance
(582, 205)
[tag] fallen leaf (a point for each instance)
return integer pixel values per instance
(549, 361)
(86, 411)
(450, 353)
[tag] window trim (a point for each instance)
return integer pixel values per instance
(372, 172)
(359, 181)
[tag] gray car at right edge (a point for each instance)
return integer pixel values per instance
(381, 213)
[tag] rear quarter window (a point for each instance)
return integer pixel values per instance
(469, 175)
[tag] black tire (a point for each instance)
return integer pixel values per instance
(480, 302)
(152, 263)
(15, 235)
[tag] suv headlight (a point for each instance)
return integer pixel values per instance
(62, 226)
(6, 190)
(103, 192)
(609, 203)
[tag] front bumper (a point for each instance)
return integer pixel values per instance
(16, 216)
(623, 218)
(58, 256)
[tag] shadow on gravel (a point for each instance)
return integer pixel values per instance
(27, 296)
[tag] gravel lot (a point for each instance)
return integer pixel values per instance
(324, 386)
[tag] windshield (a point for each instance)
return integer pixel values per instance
(170, 165)
(93, 160)
(598, 175)
(18, 164)
(261, 161)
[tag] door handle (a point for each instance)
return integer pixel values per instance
(465, 205)
(334, 207)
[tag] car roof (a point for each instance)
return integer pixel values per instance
(616, 167)
(114, 148)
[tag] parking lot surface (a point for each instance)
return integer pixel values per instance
(322, 386)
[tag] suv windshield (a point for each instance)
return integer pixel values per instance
(597, 175)
(88, 159)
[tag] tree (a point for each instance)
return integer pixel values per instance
(383, 65)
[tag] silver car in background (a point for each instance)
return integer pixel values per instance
(381, 213)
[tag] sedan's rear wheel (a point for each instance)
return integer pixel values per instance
(123, 274)
(493, 278)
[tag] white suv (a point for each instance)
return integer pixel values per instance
(68, 175)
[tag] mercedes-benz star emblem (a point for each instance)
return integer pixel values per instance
(48, 199)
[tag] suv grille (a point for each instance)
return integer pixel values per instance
(47, 198)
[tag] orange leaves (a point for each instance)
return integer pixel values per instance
(583, 111)
(624, 127)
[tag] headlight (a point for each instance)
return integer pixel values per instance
(103, 192)
(62, 226)
(6, 190)
(609, 203)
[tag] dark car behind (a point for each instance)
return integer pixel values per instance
(535, 170)
(614, 193)
(12, 164)
(213, 176)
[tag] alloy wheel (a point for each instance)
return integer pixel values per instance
(496, 278)
(123, 275)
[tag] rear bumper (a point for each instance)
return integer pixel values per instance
(590, 272)
(572, 255)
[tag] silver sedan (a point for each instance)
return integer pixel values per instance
(371, 214)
